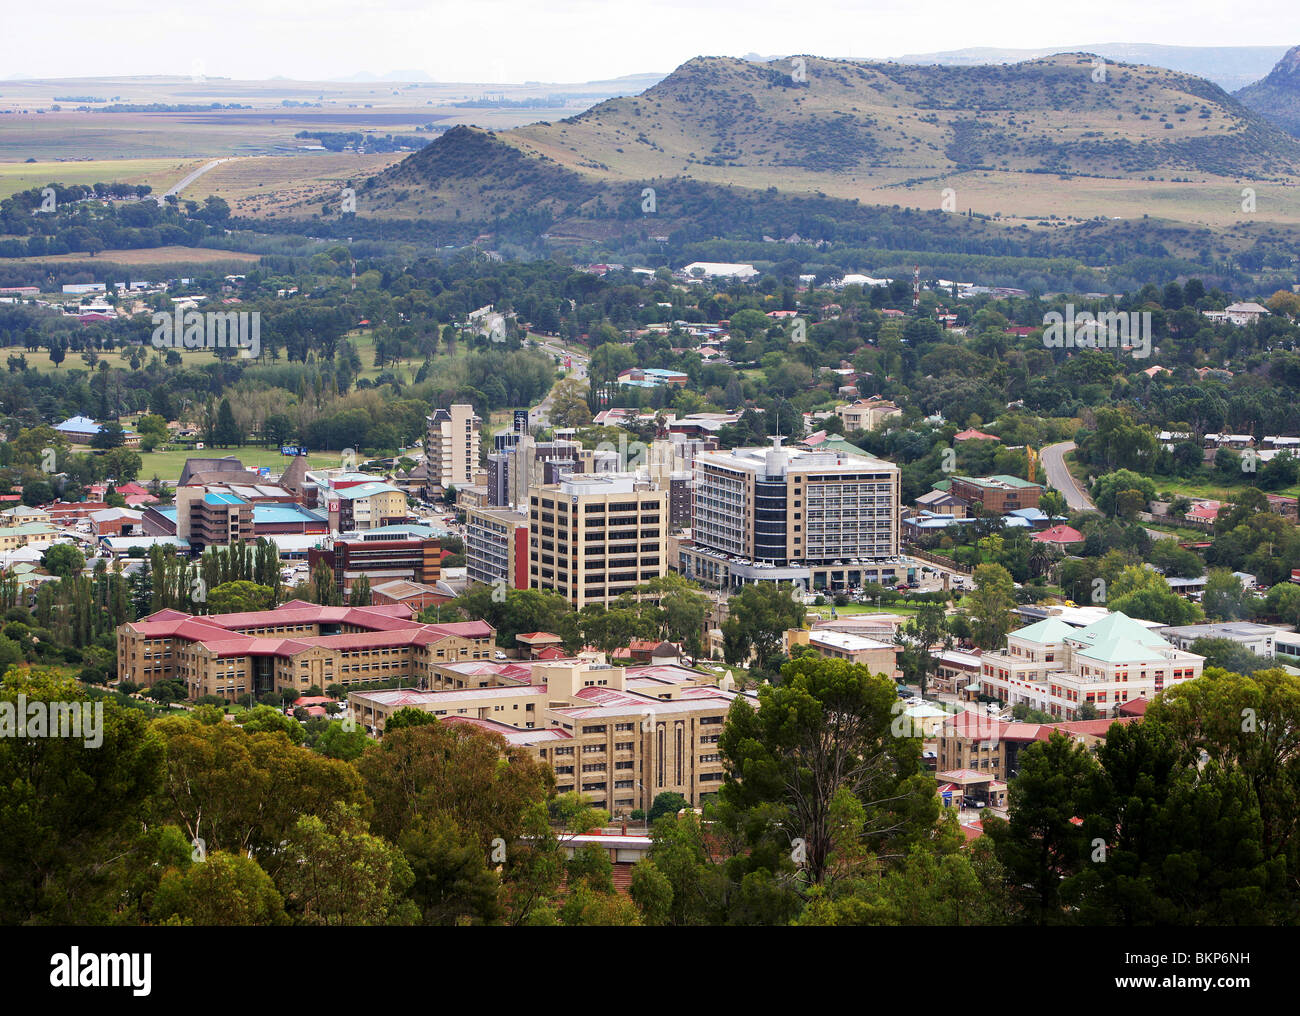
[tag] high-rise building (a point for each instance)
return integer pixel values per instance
(496, 547)
(451, 447)
(595, 537)
(823, 519)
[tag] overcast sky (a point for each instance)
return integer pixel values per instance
(576, 40)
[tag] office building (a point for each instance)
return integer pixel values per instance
(593, 538)
(826, 519)
(496, 547)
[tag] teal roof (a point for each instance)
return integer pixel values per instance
(1121, 651)
(1047, 631)
(223, 499)
(1118, 625)
(364, 490)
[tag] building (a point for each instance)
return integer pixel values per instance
(1239, 314)
(208, 520)
(1056, 668)
(297, 646)
(381, 556)
(593, 538)
(496, 547)
(451, 447)
(1260, 639)
(83, 430)
(826, 519)
(999, 494)
(973, 740)
(618, 736)
(866, 414)
(879, 657)
(369, 505)
(652, 377)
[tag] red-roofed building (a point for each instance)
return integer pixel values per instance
(1060, 536)
(297, 645)
(534, 642)
(974, 435)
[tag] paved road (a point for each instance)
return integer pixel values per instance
(1053, 460)
(191, 178)
(538, 415)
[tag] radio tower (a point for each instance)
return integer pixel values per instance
(916, 287)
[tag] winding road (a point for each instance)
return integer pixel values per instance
(1058, 475)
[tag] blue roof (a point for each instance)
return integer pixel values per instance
(1029, 513)
(79, 424)
(274, 513)
(223, 499)
(1016, 522)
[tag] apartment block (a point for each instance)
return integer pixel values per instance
(593, 538)
(826, 519)
(451, 447)
(618, 736)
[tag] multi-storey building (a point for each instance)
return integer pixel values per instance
(825, 519)
(593, 538)
(496, 547)
(618, 736)
(451, 447)
(296, 646)
(212, 519)
(1056, 668)
(999, 494)
(381, 555)
(365, 506)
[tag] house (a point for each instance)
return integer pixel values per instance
(1239, 314)
(974, 435)
(866, 414)
(82, 430)
(1059, 536)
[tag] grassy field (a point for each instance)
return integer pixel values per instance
(1208, 490)
(160, 174)
(168, 465)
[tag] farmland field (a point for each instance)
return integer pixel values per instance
(157, 173)
(144, 256)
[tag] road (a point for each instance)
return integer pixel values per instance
(190, 179)
(1053, 460)
(538, 415)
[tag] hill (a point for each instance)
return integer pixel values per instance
(1276, 98)
(833, 149)
(1229, 67)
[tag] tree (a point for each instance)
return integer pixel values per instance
(825, 729)
(64, 560)
(110, 435)
(990, 605)
(667, 803)
(240, 596)
(266, 718)
(227, 431)
(337, 873)
(452, 882)
(72, 810)
(1224, 598)
(1039, 843)
(223, 889)
(758, 618)
(359, 595)
(925, 629)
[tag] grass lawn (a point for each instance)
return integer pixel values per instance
(1207, 489)
(168, 465)
(862, 608)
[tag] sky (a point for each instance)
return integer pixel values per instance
(577, 40)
